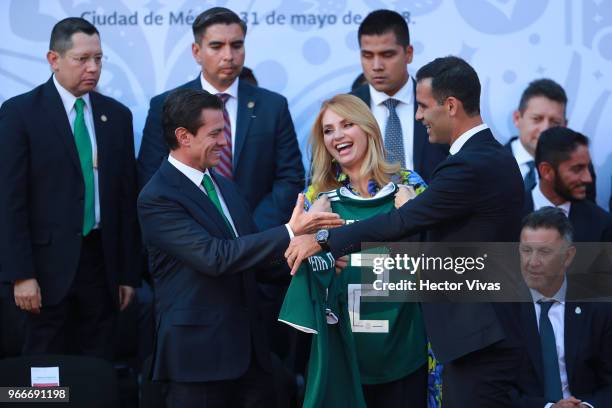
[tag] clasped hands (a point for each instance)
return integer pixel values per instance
(304, 244)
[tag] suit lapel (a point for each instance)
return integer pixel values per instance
(532, 339)
(57, 114)
(247, 102)
(420, 138)
(196, 195)
(232, 202)
(573, 331)
(363, 93)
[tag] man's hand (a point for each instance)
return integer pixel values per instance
(299, 249)
(341, 263)
(403, 195)
(27, 295)
(303, 222)
(126, 293)
(570, 402)
(321, 204)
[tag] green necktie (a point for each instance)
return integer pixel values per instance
(83, 145)
(214, 197)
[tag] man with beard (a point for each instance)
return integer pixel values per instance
(562, 160)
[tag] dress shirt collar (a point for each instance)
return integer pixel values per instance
(559, 296)
(461, 140)
(519, 152)
(540, 200)
(404, 95)
(68, 99)
(232, 90)
(195, 175)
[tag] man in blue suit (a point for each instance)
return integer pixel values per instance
(69, 238)
(205, 258)
(262, 155)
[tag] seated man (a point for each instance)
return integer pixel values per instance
(562, 159)
(569, 358)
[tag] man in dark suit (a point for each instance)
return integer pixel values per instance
(384, 41)
(562, 160)
(569, 359)
(69, 233)
(465, 202)
(262, 157)
(542, 106)
(205, 256)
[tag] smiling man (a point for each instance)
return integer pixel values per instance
(69, 235)
(562, 160)
(384, 42)
(465, 202)
(261, 155)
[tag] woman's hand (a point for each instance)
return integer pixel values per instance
(403, 195)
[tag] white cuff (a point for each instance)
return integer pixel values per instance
(587, 404)
(291, 234)
(550, 404)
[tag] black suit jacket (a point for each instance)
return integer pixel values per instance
(208, 323)
(41, 206)
(588, 355)
(465, 202)
(267, 161)
(425, 156)
(590, 222)
(591, 189)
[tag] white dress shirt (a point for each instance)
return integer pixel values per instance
(461, 140)
(68, 101)
(231, 106)
(540, 200)
(522, 157)
(405, 112)
(196, 177)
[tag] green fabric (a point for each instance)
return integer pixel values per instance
(310, 305)
(390, 337)
(214, 197)
(83, 145)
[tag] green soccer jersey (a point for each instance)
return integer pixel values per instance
(357, 342)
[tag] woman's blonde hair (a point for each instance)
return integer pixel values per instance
(374, 165)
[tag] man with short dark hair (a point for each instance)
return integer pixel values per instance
(569, 359)
(262, 155)
(384, 42)
(562, 161)
(465, 202)
(542, 106)
(69, 235)
(205, 256)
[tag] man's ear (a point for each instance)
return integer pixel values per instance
(547, 171)
(195, 51)
(452, 105)
(52, 57)
(409, 54)
(516, 115)
(182, 136)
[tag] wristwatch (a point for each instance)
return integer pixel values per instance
(321, 237)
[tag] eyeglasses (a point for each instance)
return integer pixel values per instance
(83, 59)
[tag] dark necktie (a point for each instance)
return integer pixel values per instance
(225, 166)
(550, 359)
(394, 139)
(530, 177)
(214, 197)
(83, 145)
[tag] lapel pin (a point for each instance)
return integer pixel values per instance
(103, 118)
(578, 310)
(251, 105)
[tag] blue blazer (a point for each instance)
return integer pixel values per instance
(208, 323)
(465, 202)
(588, 355)
(267, 161)
(426, 156)
(41, 205)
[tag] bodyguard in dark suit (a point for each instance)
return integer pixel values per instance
(69, 233)
(465, 202)
(562, 160)
(569, 359)
(262, 157)
(384, 42)
(205, 256)
(542, 106)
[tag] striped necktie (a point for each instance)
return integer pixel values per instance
(225, 166)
